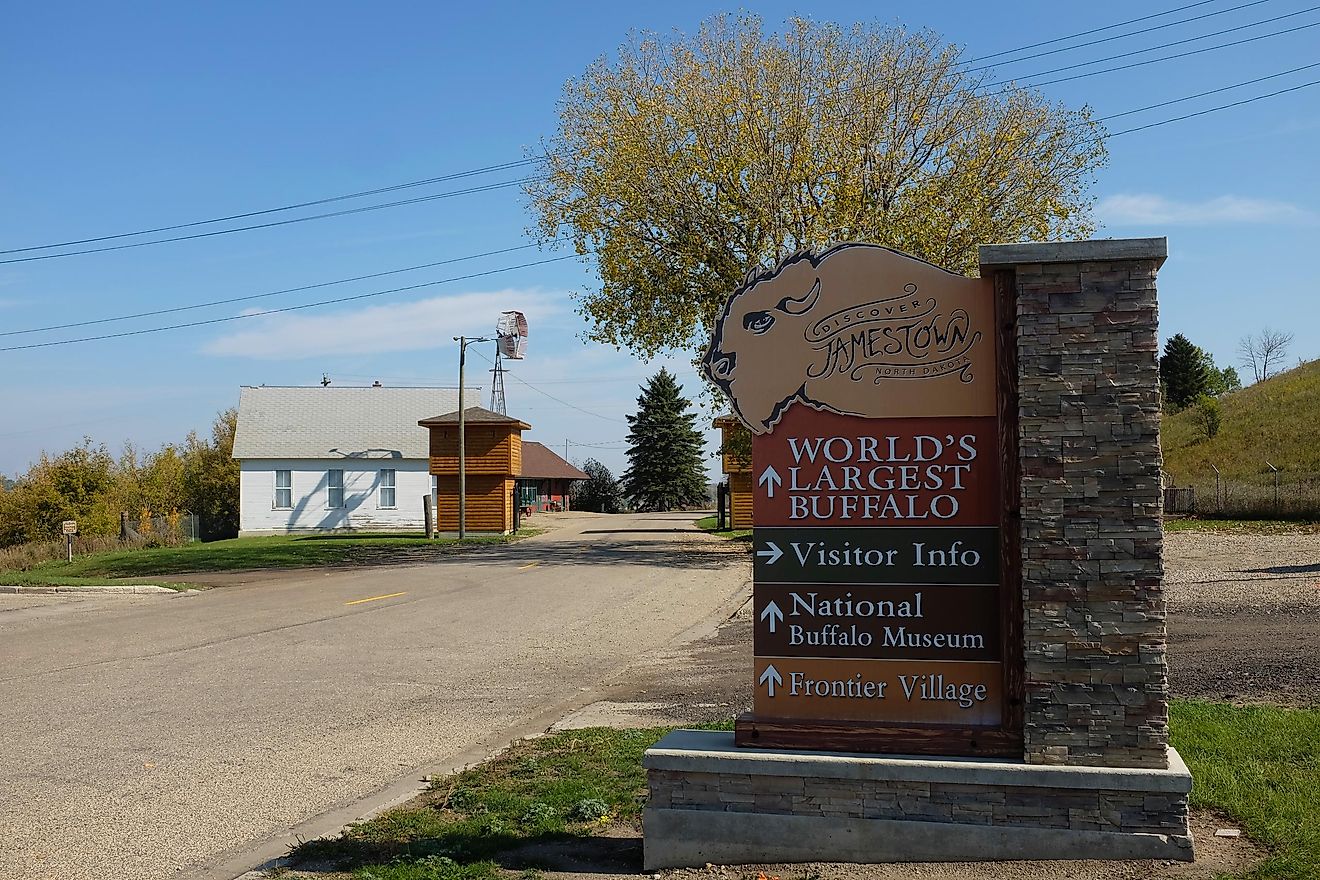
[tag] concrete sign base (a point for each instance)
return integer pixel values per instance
(711, 801)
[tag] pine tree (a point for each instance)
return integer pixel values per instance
(665, 467)
(1183, 371)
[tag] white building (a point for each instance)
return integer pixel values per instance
(320, 458)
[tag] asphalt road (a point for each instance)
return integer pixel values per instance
(159, 737)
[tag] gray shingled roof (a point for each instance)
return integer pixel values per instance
(475, 415)
(285, 422)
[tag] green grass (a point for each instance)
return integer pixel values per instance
(709, 523)
(559, 787)
(245, 554)
(1240, 526)
(1260, 765)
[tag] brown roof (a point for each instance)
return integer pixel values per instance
(475, 415)
(539, 463)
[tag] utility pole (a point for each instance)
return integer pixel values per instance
(463, 343)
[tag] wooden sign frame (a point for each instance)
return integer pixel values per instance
(1005, 740)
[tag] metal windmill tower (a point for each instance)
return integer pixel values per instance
(497, 401)
(511, 336)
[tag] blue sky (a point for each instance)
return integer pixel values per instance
(125, 116)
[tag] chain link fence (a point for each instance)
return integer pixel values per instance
(1272, 494)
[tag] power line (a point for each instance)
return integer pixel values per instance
(250, 297)
(363, 209)
(548, 394)
(233, 300)
(530, 161)
(1207, 93)
(622, 444)
(1216, 109)
(342, 299)
(1108, 27)
(325, 201)
(1170, 45)
(1115, 36)
(1156, 124)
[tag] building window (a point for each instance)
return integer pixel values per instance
(284, 490)
(334, 493)
(387, 487)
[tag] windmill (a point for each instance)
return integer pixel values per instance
(511, 343)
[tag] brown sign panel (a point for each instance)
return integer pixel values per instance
(869, 381)
(882, 622)
(900, 691)
(859, 330)
(820, 468)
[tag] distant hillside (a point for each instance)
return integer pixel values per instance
(1277, 420)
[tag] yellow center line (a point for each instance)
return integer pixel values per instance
(528, 565)
(376, 598)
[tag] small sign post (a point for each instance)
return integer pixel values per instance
(70, 528)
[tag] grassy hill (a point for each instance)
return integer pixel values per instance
(1277, 420)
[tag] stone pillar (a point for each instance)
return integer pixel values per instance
(1096, 677)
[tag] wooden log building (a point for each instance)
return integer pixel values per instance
(494, 461)
(736, 455)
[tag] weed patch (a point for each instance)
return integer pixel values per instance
(709, 523)
(557, 788)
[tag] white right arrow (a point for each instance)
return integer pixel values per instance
(770, 479)
(770, 678)
(773, 553)
(772, 612)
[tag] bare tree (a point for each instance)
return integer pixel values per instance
(1264, 352)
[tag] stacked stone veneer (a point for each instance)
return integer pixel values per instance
(1089, 456)
(1076, 809)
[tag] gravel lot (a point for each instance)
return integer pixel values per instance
(1244, 617)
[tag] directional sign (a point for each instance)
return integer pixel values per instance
(900, 691)
(876, 556)
(869, 383)
(882, 622)
(826, 469)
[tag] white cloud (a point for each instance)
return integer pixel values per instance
(412, 326)
(1142, 209)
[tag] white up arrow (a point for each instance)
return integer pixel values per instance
(772, 612)
(770, 479)
(772, 555)
(770, 678)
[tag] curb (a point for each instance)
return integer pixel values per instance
(110, 589)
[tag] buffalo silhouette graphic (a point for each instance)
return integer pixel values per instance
(858, 330)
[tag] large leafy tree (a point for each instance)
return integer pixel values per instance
(684, 163)
(600, 492)
(666, 470)
(210, 477)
